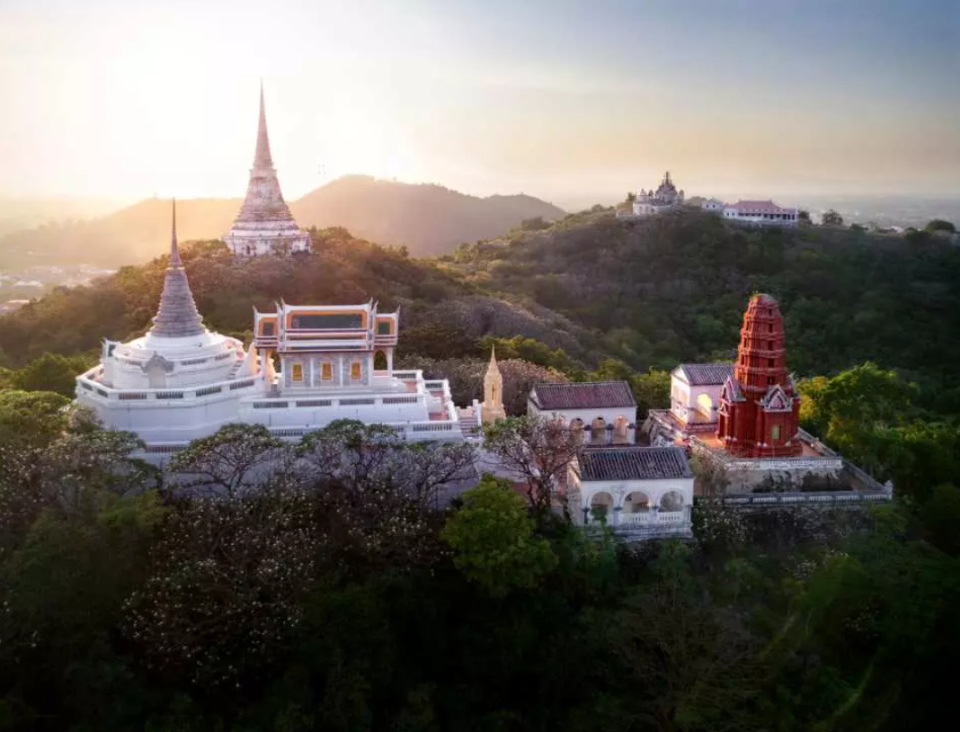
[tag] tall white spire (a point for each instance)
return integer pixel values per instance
(262, 158)
(264, 224)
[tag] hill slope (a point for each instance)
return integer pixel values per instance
(440, 314)
(428, 219)
(673, 287)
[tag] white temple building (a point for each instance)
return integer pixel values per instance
(181, 381)
(265, 224)
(663, 199)
(754, 213)
(642, 491)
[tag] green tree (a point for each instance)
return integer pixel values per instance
(652, 391)
(831, 218)
(940, 225)
(493, 540)
(32, 418)
(51, 372)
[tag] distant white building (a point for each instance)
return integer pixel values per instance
(756, 213)
(713, 205)
(663, 199)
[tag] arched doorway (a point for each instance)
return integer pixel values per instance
(621, 429)
(379, 361)
(601, 506)
(598, 431)
(636, 502)
(671, 501)
(705, 407)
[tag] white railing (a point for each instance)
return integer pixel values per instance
(88, 382)
(652, 517)
(754, 499)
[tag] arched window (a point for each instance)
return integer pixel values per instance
(380, 361)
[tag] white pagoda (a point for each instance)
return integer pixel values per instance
(181, 381)
(265, 224)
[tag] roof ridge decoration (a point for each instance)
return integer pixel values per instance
(177, 315)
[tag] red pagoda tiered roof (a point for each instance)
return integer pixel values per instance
(759, 414)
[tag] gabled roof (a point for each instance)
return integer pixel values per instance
(585, 395)
(633, 463)
(731, 390)
(704, 374)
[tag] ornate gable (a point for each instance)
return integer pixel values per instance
(776, 400)
(731, 391)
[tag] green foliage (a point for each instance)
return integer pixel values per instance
(493, 540)
(51, 372)
(831, 218)
(940, 225)
(31, 418)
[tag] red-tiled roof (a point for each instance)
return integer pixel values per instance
(586, 395)
(634, 463)
(760, 207)
(705, 374)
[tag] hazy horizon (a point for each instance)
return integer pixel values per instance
(561, 100)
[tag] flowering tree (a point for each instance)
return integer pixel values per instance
(348, 451)
(538, 449)
(225, 594)
(230, 462)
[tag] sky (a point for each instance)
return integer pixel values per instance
(565, 100)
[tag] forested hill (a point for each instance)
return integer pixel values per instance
(441, 314)
(674, 287)
(427, 219)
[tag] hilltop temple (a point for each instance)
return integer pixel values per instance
(264, 224)
(181, 381)
(663, 199)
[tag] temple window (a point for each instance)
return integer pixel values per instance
(775, 432)
(297, 374)
(267, 328)
(355, 370)
(326, 372)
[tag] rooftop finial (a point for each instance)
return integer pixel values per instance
(174, 248)
(263, 159)
(493, 359)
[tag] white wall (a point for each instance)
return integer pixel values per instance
(683, 400)
(587, 415)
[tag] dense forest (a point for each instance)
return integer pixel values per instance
(341, 594)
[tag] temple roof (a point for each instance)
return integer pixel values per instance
(588, 395)
(705, 374)
(177, 316)
(634, 463)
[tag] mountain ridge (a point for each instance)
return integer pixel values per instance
(427, 218)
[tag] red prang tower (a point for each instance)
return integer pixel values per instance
(759, 412)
